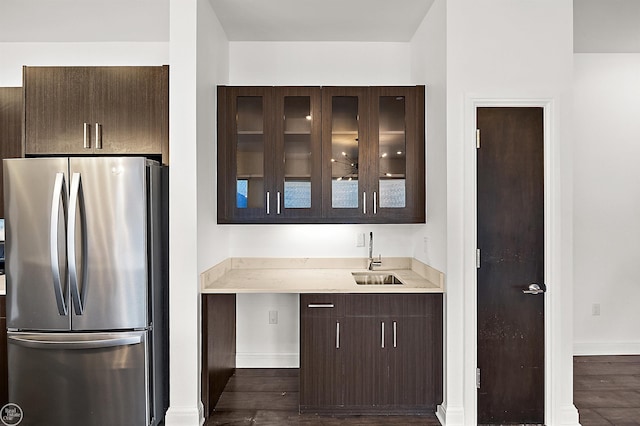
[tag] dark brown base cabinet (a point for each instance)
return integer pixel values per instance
(370, 353)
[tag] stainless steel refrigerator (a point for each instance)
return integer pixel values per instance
(86, 266)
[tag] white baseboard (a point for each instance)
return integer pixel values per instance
(450, 416)
(183, 416)
(267, 360)
(606, 348)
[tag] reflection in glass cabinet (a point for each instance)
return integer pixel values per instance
(344, 152)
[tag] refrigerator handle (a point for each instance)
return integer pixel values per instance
(74, 206)
(36, 343)
(58, 194)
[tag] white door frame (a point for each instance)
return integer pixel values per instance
(555, 411)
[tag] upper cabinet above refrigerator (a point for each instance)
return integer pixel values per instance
(96, 110)
(321, 154)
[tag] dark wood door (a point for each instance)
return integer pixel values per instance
(321, 352)
(57, 104)
(510, 216)
(131, 106)
(10, 129)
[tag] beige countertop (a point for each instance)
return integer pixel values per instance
(316, 275)
(3, 285)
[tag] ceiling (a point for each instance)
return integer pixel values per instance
(606, 26)
(599, 25)
(320, 20)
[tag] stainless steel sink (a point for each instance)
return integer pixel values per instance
(376, 278)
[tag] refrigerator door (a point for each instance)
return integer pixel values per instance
(35, 197)
(106, 240)
(89, 379)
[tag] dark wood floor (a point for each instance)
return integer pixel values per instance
(606, 392)
(606, 389)
(270, 397)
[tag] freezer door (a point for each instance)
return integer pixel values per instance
(35, 194)
(107, 250)
(89, 379)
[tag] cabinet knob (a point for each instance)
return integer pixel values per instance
(87, 137)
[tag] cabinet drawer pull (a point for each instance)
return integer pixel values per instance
(87, 137)
(320, 305)
(98, 136)
(395, 335)
(382, 334)
(337, 335)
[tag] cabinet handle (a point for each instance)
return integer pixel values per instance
(395, 334)
(382, 334)
(375, 202)
(87, 137)
(364, 203)
(98, 136)
(268, 209)
(337, 334)
(320, 305)
(278, 202)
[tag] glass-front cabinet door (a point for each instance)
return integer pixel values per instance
(345, 153)
(245, 161)
(397, 148)
(298, 150)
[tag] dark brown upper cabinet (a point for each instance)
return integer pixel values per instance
(373, 154)
(10, 129)
(269, 149)
(96, 110)
(321, 155)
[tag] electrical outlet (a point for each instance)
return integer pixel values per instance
(595, 309)
(360, 239)
(273, 317)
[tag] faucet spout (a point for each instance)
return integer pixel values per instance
(371, 261)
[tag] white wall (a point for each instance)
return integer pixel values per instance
(198, 63)
(14, 55)
(607, 203)
(508, 49)
(317, 64)
(429, 67)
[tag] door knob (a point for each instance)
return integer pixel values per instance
(535, 289)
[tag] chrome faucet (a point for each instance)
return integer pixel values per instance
(372, 262)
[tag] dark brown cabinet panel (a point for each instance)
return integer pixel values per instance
(10, 129)
(218, 346)
(375, 353)
(96, 110)
(321, 155)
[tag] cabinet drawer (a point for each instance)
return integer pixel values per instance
(3, 307)
(321, 305)
(398, 305)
